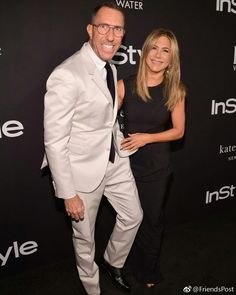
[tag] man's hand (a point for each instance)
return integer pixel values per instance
(75, 208)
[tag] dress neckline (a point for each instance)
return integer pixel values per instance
(158, 85)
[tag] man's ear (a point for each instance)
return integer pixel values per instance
(90, 30)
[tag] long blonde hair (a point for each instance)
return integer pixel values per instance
(174, 89)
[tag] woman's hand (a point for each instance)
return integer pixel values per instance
(134, 141)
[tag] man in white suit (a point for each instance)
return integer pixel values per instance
(81, 133)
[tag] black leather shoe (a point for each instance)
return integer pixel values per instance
(116, 276)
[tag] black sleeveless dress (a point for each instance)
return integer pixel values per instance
(151, 166)
(152, 160)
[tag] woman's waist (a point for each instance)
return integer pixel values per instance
(143, 129)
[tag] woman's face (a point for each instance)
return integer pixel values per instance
(159, 56)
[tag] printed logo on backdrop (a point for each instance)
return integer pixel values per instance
(234, 64)
(0, 51)
(12, 128)
(226, 5)
(225, 192)
(227, 107)
(16, 250)
(228, 152)
(128, 4)
(127, 54)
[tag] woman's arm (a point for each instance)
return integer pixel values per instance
(137, 140)
(121, 92)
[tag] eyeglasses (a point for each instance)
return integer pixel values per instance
(105, 28)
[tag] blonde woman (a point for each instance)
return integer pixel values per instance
(153, 102)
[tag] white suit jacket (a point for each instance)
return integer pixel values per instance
(79, 119)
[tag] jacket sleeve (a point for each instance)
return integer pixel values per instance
(59, 107)
(118, 135)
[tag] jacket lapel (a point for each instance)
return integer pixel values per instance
(115, 108)
(96, 77)
(101, 84)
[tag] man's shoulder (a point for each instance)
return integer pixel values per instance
(73, 59)
(75, 63)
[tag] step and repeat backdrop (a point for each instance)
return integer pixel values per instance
(35, 36)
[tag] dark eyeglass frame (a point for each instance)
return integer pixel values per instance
(103, 29)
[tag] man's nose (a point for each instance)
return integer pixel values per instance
(110, 34)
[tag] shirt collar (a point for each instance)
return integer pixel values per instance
(98, 61)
